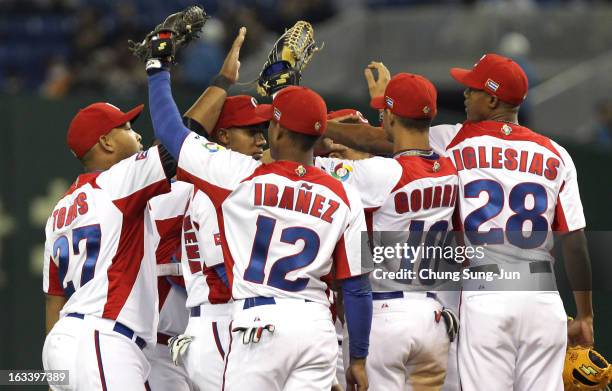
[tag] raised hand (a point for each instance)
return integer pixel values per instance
(231, 65)
(377, 87)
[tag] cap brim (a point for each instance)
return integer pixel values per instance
(378, 103)
(463, 77)
(264, 112)
(254, 120)
(131, 115)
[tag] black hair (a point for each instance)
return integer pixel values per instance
(302, 141)
(421, 124)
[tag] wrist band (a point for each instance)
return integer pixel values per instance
(221, 82)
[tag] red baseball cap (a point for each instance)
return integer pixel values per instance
(238, 111)
(496, 75)
(298, 109)
(408, 95)
(94, 121)
(345, 112)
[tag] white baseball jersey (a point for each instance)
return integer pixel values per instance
(166, 213)
(406, 194)
(201, 245)
(95, 252)
(516, 187)
(282, 224)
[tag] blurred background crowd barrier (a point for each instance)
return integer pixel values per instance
(57, 56)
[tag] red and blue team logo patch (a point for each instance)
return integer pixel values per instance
(217, 238)
(142, 155)
(213, 147)
(492, 85)
(342, 171)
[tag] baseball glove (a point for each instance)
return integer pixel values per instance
(181, 28)
(287, 59)
(585, 369)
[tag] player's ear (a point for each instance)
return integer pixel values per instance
(274, 131)
(493, 102)
(390, 117)
(106, 142)
(223, 136)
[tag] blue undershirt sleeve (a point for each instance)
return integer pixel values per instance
(167, 123)
(357, 294)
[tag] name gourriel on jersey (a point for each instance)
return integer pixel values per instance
(467, 158)
(65, 216)
(306, 201)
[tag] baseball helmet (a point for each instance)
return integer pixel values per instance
(585, 369)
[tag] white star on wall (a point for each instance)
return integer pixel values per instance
(40, 210)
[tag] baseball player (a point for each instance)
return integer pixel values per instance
(342, 152)
(286, 228)
(96, 267)
(163, 233)
(240, 129)
(516, 188)
(416, 197)
(187, 208)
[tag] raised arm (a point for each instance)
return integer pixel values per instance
(206, 110)
(167, 124)
(362, 137)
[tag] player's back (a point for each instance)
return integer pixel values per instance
(516, 187)
(165, 214)
(409, 199)
(283, 226)
(95, 244)
(201, 245)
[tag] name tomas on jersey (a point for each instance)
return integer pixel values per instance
(65, 216)
(306, 201)
(510, 159)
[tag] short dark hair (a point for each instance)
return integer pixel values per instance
(303, 141)
(422, 124)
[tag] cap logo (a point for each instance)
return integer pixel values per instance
(426, 110)
(317, 125)
(254, 102)
(277, 114)
(492, 85)
(389, 102)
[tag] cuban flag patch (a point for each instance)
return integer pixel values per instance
(493, 86)
(277, 114)
(389, 102)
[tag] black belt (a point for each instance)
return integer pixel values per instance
(396, 295)
(534, 268)
(260, 300)
(119, 328)
(163, 339)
